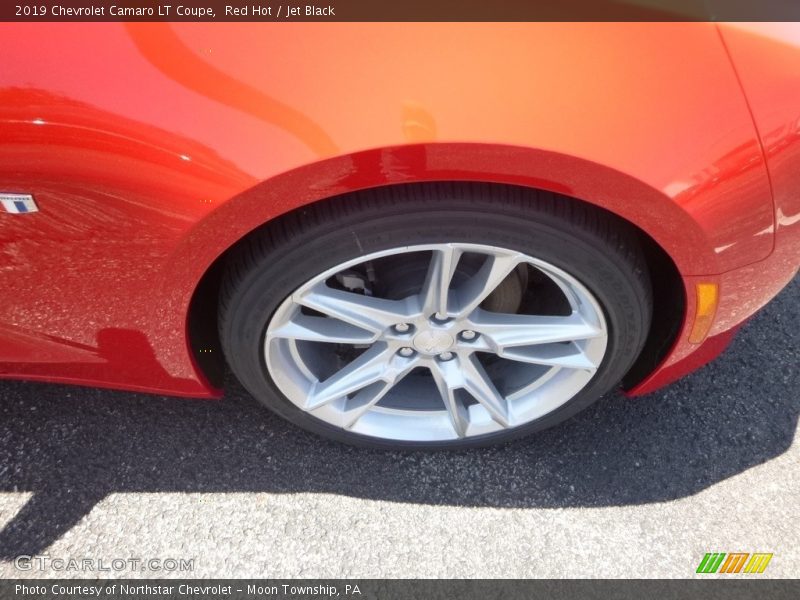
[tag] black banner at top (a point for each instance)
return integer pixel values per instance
(399, 10)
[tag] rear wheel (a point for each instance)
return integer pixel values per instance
(435, 316)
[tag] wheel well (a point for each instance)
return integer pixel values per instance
(669, 301)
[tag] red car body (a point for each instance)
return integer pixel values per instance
(152, 149)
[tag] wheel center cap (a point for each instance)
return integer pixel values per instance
(433, 342)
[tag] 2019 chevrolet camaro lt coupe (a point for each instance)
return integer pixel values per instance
(397, 235)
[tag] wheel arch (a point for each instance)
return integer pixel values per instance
(673, 242)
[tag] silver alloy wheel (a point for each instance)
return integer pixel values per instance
(433, 365)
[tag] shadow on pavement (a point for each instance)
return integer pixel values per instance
(73, 446)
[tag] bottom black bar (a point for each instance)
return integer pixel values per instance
(400, 589)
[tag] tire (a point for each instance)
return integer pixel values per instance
(568, 260)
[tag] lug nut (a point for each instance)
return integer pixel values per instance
(445, 356)
(440, 316)
(406, 351)
(402, 327)
(468, 335)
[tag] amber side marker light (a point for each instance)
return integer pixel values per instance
(707, 299)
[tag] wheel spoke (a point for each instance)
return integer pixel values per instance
(322, 329)
(511, 330)
(480, 386)
(491, 274)
(434, 295)
(372, 314)
(448, 380)
(370, 367)
(569, 356)
(363, 402)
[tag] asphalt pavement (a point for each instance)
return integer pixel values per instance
(629, 488)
